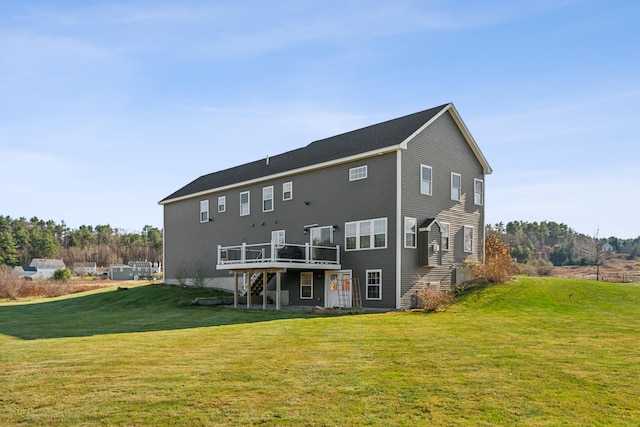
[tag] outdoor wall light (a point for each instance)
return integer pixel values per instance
(307, 203)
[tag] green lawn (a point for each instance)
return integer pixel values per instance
(540, 352)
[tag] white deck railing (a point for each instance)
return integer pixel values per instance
(261, 253)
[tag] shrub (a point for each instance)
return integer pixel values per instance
(541, 267)
(62, 275)
(10, 285)
(432, 298)
(498, 266)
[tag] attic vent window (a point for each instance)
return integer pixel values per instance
(358, 173)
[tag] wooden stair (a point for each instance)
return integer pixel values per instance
(256, 282)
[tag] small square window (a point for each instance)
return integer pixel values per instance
(358, 173)
(222, 204)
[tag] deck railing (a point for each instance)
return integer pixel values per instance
(279, 253)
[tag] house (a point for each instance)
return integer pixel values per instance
(134, 270)
(39, 269)
(84, 268)
(348, 220)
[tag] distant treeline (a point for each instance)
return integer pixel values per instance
(21, 240)
(559, 244)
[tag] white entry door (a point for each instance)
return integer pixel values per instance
(338, 285)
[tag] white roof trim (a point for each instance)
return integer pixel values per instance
(463, 129)
(322, 165)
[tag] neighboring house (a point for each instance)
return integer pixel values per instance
(134, 270)
(84, 268)
(40, 268)
(368, 210)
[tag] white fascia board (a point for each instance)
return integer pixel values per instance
(316, 166)
(472, 142)
(463, 129)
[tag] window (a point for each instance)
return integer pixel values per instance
(374, 284)
(267, 199)
(468, 239)
(358, 173)
(277, 237)
(244, 203)
(368, 234)
(321, 235)
(410, 225)
(456, 186)
(287, 191)
(425, 179)
(444, 231)
(204, 211)
(222, 204)
(478, 191)
(306, 285)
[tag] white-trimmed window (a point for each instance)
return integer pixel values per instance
(267, 199)
(367, 234)
(374, 284)
(222, 204)
(277, 237)
(426, 174)
(410, 229)
(306, 285)
(287, 191)
(468, 238)
(445, 228)
(478, 191)
(358, 173)
(321, 235)
(456, 186)
(204, 211)
(245, 199)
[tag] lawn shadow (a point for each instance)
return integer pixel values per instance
(137, 309)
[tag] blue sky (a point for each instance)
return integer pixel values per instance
(106, 107)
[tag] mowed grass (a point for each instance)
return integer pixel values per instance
(540, 352)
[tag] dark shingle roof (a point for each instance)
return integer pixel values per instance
(375, 137)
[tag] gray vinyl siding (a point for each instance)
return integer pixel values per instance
(443, 147)
(324, 196)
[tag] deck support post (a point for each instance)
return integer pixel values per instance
(248, 294)
(235, 290)
(278, 290)
(264, 290)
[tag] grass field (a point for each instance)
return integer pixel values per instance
(539, 352)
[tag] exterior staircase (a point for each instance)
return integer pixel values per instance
(442, 281)
(255, 284)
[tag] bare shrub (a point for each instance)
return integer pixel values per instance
(10, 285)
(541, 267)
(432, 298)
(498, 266)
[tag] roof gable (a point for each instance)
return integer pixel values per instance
(391, 134)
